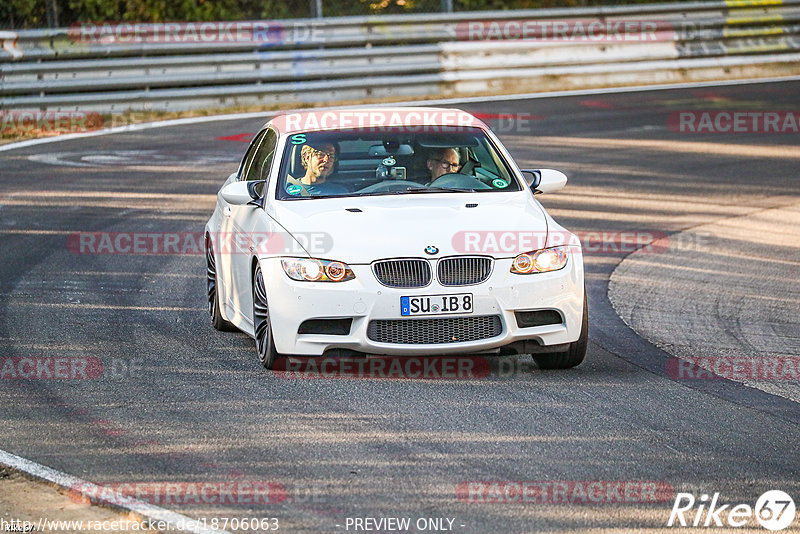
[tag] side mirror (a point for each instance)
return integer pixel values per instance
(532, 178)
(241, 193)
(545, 180)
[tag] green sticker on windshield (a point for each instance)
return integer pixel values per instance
(294, 189)
(499, 184)
(298, 139)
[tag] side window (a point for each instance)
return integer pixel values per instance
(487, 160)
(251, 152)
(259, 170)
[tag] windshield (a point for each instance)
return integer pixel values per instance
(350, 163)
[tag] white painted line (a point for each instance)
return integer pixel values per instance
(117, 500)
(444, 101)
(603, 91)
(137, 128)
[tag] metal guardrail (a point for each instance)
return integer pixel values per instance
(404, 29)
(312, 60)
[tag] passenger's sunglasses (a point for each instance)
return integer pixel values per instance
(322, 154)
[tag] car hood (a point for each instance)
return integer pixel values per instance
(361, 230)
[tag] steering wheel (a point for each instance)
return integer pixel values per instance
(448, 175)
(388, 185)
(457, 179)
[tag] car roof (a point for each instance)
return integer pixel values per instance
(375, 117)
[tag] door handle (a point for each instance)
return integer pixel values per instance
(227, 211)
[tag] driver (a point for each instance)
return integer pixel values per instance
(319, 162)
(443, 161)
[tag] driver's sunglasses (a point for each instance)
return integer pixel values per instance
(448, 165)
(322, 154)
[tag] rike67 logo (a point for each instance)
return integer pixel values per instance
(774, 510)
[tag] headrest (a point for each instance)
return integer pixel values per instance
(296, 164)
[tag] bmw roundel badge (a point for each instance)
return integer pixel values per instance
(430, 249)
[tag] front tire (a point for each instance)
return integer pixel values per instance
(213, 296)
(576, 352)
(265, 343)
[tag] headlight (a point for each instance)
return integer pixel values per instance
(314, 270)
(540, 261)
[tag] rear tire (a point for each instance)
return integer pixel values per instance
(213, 296)
(265, 343)
(576, 352)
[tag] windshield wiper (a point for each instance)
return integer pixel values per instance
(440, 189)
(377, 193)
(411, 190)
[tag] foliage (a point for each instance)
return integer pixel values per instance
(22, 14)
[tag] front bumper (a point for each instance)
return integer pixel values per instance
(364, 299)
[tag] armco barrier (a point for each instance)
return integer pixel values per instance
(366, 58)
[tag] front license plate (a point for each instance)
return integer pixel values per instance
(436, 304)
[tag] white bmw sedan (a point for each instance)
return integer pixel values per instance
(393, 231)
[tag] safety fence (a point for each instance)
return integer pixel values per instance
(180, 66)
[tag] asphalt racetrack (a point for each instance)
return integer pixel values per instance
(180, 403)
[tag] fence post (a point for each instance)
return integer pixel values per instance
(316, 9)
(52, 13)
